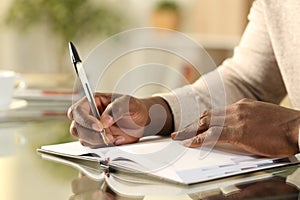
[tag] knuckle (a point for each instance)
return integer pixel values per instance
(238, 106)
(70, 112)
(72, 125)
(199, 139)
(77, 110)
(205, 113)
(240, 133)
(193, 129)
(71, 130)
(116, 110)
(204, 122)
(188, 132)
(239, 117)
(243, 100)
(240, 109)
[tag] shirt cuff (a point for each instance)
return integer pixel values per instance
(184, 106)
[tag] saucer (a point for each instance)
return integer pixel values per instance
(15, 104)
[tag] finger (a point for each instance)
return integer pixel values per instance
(81, 103)
(82, 116)
(207, 119)
(211, 136)
(102, 100)
(87, 135)
(120, 137)
(188, 132)
(124, 139)
(214, 117)
(246, 100)
(120, 140)
(69, 113)
(106, 98)
(116, 110)
(196, 127)
(221, 118)
(80, 112)
(73, 129)
(213, 120)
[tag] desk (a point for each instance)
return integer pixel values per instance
(25, 175)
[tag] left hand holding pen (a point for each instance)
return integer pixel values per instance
(125, 119)
(260, 128)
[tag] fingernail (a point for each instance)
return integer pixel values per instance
(107, 121)
(119, 141)
(173, 135)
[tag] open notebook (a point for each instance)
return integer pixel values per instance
(127, 185)
(169, 160)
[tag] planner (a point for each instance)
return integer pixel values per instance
(168, 160)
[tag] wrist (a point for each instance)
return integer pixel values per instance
(160, 119)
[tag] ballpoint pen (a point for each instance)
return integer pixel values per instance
(86, 86)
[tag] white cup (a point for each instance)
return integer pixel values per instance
(9, 81)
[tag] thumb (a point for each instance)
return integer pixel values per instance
(107, 120)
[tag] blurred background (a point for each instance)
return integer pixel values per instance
(34, 33)
(34, 36)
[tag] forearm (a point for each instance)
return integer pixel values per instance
(160, 120)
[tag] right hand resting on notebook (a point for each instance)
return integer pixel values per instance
(125, 119)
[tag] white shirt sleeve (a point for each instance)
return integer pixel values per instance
(252, 72)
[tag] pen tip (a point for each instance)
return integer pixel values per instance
(74, 54)
(71, 44)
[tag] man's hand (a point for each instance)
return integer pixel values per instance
(258, 127)
(123, 117)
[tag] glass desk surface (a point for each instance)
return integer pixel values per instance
(25, 175)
